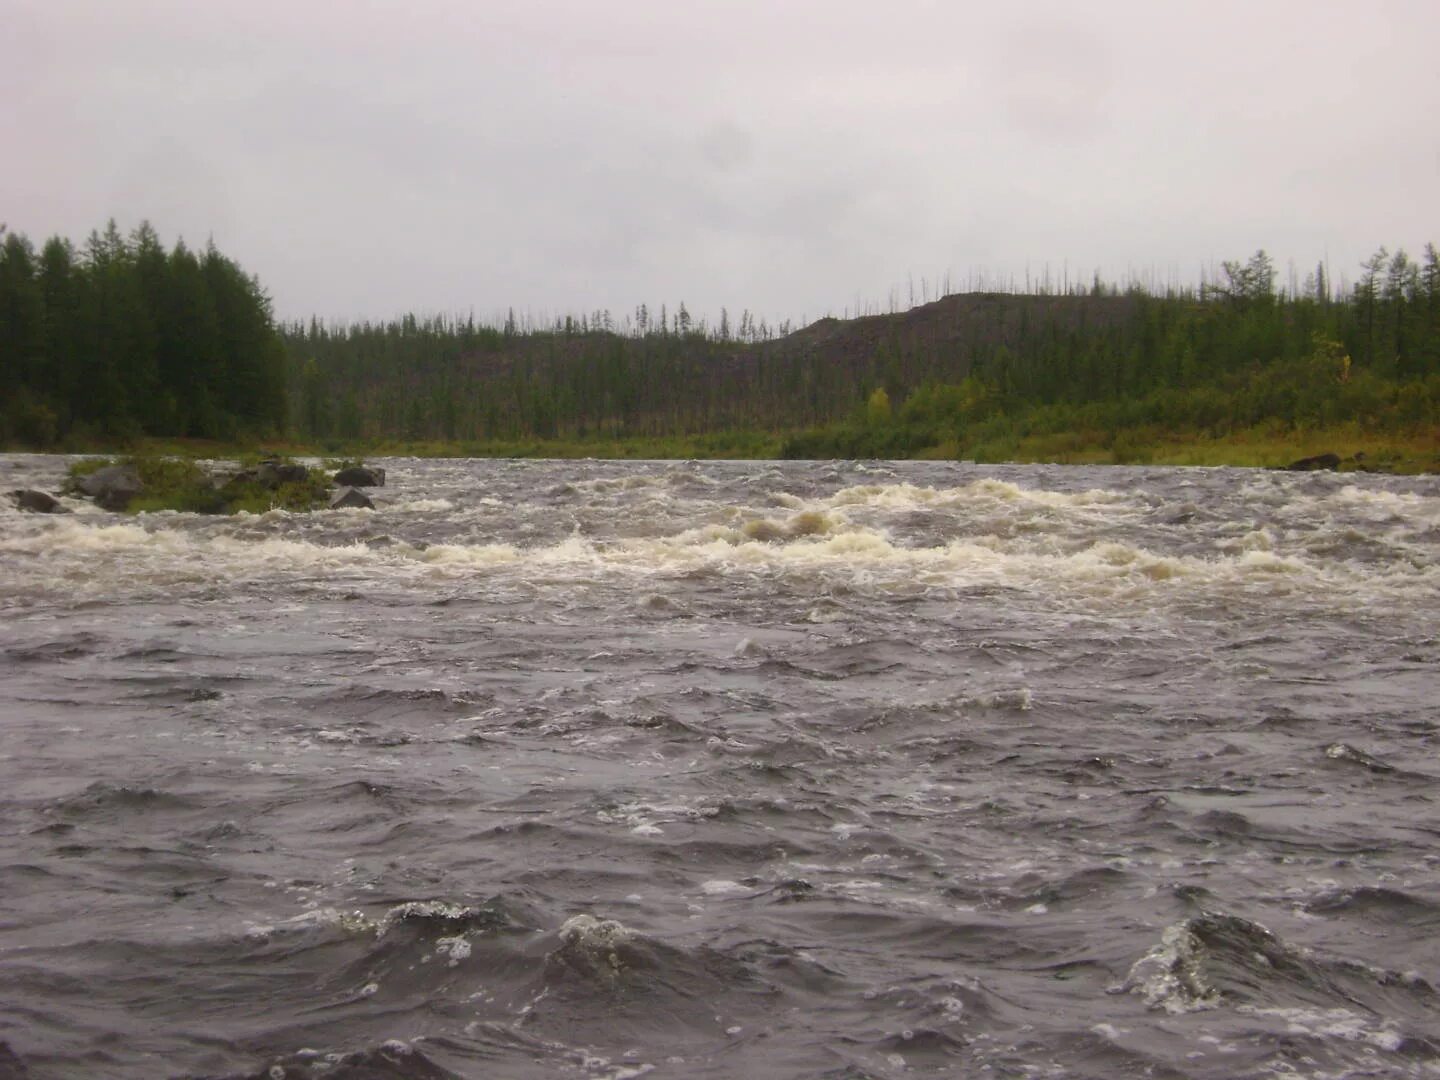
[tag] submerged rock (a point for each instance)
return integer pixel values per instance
(1316, 463)
(349, 498)
(112, 487)
(361, 476)
(37, 502)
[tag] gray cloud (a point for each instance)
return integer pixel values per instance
(367, 158)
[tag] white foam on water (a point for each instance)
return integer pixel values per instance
(476, 556)
(1402, 506)
(1168, 977)
(1337, 1023)
(424, 909)
(1019, 699)
(820, 538)
(352, 922)
(645, 819)
(1267, 562)
(722, 887)
(612, 485)
(904, 496)
(594, 934)
(628, 1072)
(804, 523)
(455, 948)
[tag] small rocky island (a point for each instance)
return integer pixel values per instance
(135, 485)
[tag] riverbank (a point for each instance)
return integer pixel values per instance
(1405, 453)
(1402, 453)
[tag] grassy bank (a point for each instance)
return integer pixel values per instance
(1258, 447)
(740, 445)
(1261, 446)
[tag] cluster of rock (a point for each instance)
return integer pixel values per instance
(113, 486)
(271, 473)
(352, 477)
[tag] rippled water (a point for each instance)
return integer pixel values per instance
(604, 770)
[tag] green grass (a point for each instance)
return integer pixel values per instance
(1269, 445)
(86, 466)
(311, 495)
(1260, 447)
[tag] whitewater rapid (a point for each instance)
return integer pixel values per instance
(713, 769)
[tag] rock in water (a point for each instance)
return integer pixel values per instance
(112, 487)
(37, 502)
(272, 474)
(1312, 464)
(349, 498)
(361, 476)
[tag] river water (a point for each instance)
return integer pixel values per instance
(606, 770)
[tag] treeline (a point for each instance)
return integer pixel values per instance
(447, 379)
(1233, 352)
(1235, 355)
(123, 338)
(440, 378)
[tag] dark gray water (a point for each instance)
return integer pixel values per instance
(602, 770)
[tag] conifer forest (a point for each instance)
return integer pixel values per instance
(120, 338)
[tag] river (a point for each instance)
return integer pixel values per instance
(709, 770)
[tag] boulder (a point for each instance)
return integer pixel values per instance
(361, 476)
(37, 502)
(349, 498)
(1313, 464)
(272, 473)
(112, 487)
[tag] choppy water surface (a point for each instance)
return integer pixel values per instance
(602, 770)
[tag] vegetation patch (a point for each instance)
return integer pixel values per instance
(181, 484)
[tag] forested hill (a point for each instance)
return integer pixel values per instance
(123, 338)
(446, 379)
(965, 368)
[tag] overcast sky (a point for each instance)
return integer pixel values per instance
(365, 159)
